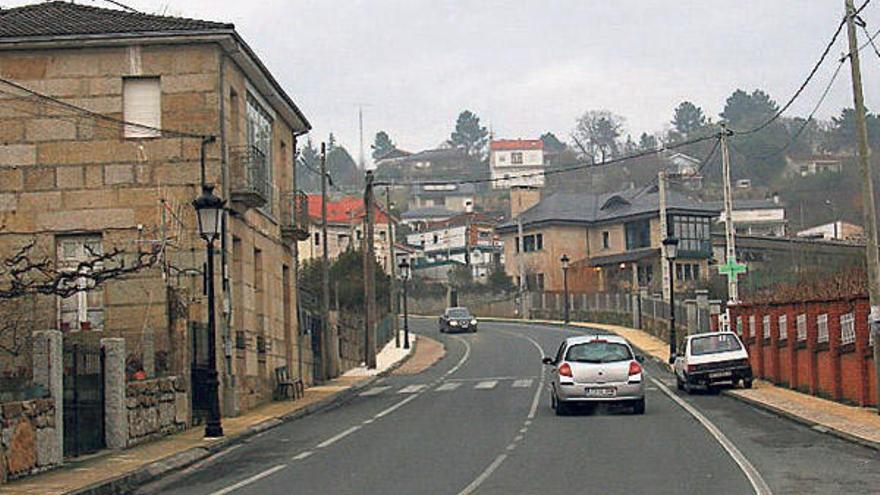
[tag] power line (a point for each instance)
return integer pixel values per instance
(870, 40)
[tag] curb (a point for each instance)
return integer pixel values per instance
(175, 462)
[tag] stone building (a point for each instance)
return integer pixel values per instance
(78, 179)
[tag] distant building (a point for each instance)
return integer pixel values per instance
(763, 217)
(687, 168)
(516, 162)
(426, 164)
(453, 197)
(466, 239)
(812, 165)
(419, 218)
(839, 230)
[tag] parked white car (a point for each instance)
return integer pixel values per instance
(710, 359)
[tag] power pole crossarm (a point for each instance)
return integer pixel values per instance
(868, 209)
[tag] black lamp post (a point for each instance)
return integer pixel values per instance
(209, 210)
(404, 274)
(671, 245)
(565, 261)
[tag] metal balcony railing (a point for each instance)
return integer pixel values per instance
(250, 177)
(295, 216)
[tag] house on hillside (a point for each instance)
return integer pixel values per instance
(433, 164)
(804, 166)
(454, 197)
(613, 241)
(516, 162)
(467, 239)
(78, 181)
(687, 170)
(838, 230)
(757, 217)
(419, 219)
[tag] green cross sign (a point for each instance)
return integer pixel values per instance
(731, 268)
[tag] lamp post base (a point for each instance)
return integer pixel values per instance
(213, 431)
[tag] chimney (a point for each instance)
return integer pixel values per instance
(522, 198)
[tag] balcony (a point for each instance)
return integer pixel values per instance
(294, 217)
(250, 177)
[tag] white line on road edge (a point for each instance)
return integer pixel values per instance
(467, 353)
(483, 476)
(338, 436)
(396, 406)
(758, 484)
(250, 480)
(302, 455)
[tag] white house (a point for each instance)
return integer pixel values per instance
(466, 239)
(761, 217)
(516, 162)
(838, 230)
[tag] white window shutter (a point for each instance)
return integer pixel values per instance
(141, 102)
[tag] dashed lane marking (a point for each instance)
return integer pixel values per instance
(411, 389)
(449, 386)
(489, 384)
(302, 455)
(338, 436)
(375, 391)
(522, 383)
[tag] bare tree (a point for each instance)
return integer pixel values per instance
(596, 135)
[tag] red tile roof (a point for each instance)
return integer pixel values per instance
(345, 210)
(516, 144)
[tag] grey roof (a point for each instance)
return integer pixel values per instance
(67, 19)
(747, 204)
(428, 212)
(589, 208)
(460, 190)
(437, 154)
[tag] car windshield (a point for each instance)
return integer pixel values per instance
(598, 352)
(714, 343)
(458, 313)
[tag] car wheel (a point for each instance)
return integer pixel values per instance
(687, 386)
(747, 383)
(552, 400)
(678, 383)
(561, 408)
(639, 406)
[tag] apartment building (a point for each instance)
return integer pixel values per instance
(516, 162)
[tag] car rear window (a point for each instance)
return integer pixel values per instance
(712, 344)
(459, 313)
(598, 352)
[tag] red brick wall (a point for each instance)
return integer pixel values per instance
(832, 370)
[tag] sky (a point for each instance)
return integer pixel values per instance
(527, 67)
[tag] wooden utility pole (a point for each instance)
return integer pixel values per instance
(325, 273)
(392, 267)
(666, 272)
(369, 277)
(729, 231)
(868, 209)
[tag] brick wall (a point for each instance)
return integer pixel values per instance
(830, 368)
(28, 443)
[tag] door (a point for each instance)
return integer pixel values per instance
(83, 386)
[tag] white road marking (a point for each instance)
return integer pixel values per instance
(484, 378)
(517, 438)
(395, 407)
(337, 437)
(302, 455)
(511, 447)
(375, 391)
(368, 421)
(467, 353)
(755, 478)
(526, 383)
(449, 386)
(523, 430)
(483, 476)
(489, 384)
(248, 481)
(411, 389)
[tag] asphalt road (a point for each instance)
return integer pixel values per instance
(479, 421)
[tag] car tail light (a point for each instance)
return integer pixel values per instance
(565, 370)
(634, 368)
(692, 368)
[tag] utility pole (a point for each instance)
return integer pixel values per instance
(868, 209)
(325, 273)
(520, 266)
(369, 277)
(665, 268)
(392, 266)
(730, 268)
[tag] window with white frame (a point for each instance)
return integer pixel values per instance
(516, 158)
(259, 140)
(142, 104)
(802, 327)
(847, 329)
(783, 327)
(822, 328)
(85, 309)
(766, 325)
(752, 325)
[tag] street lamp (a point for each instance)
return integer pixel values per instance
(209, 211)
(565, 261)
(671, 245)
(404, 274)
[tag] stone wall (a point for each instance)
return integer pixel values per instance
(28, 441)
(156, 408)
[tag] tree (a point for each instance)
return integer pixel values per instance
(382, 145)
(841, 136)
(469, 135)
(647, 142)
(552, 143)
(498, 280)
(742, 110)
(596, 134)
(688, 118)
(308, 168)
(460, 277)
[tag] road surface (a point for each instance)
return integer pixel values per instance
(479, 421)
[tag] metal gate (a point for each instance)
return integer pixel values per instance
(314, 325)
(199, 368)
(83, 398)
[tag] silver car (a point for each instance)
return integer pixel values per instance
(595, 369)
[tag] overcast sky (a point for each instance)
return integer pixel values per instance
(527, 67)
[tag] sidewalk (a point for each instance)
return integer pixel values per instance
(856, 424)
(114, 471)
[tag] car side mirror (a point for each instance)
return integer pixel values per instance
(547, 360)
(640, 358)
(672, 358)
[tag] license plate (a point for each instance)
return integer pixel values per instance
(720, 374)
(464, 324)
(601, 392)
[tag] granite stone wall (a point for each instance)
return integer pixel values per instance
(28, 443)
(156, 408)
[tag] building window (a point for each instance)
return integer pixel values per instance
(822, 326)
(539, 241)
(692, 233)
(533, 242)
(516, 158)
(502, 158)
(436, 239)
(317, 238)
(259, 141)
(687, 271)
(638, 234)
(752, 326)
(142, 104)
(766, 322)
(739, 326)
(516, 243)
(606, 240)
(85, 309)
(697, 272)
(802, 327)
(847, 329)
(783, 327)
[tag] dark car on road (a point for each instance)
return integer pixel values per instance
(457, 320)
